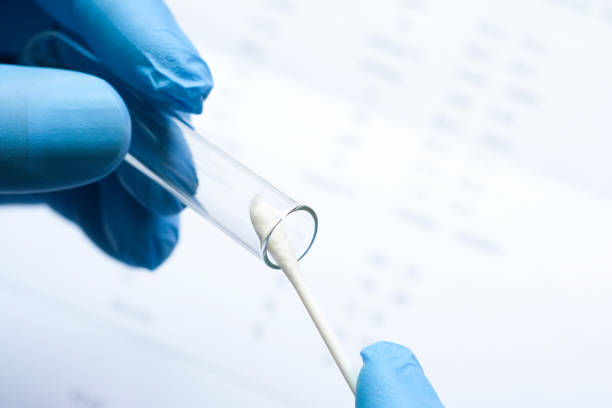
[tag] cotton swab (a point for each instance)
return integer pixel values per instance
(265, 219)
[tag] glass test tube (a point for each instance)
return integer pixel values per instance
(192, 168)
(217, 186)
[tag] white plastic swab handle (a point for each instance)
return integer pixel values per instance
(324, 328)
(265, 220)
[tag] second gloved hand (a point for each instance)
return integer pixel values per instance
(391, 377)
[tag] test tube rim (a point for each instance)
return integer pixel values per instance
(264, 243)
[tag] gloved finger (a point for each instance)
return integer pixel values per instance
(58, 129)
(157, 141)
(118, 224)
(391, 377)
(141, 43)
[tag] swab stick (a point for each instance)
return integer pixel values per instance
(264, 218)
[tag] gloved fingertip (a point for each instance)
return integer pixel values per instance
(162, 244)
(140, 42)
(187, 90)
(61, 129)
(384, 351)
(391, 377)
(132, 233)
(149, 246)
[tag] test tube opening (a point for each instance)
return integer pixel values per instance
(300, 225)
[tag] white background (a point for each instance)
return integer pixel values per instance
(457, 154)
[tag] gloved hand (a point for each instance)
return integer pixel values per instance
(63, 134)
(391, 377)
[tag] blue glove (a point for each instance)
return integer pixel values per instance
(391, 377)
(63, 134)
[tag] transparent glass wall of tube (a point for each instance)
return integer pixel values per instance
(217, 186)
(190, 167)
